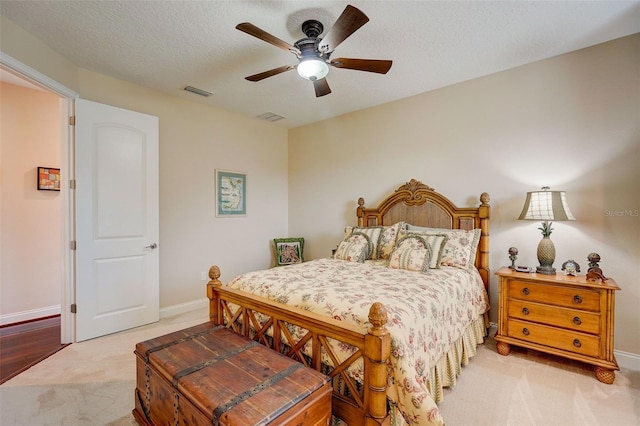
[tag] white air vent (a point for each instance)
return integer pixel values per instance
(269, 116)
(198, 91)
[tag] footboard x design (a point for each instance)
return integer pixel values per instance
(359, 380)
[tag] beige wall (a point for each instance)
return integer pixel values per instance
(570, 122)
(30, 225)
(194, 140)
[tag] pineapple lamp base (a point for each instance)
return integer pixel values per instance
(546, 251)
(546, 270)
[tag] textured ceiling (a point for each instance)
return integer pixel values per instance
(167, 45)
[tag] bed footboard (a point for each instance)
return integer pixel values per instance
(309, 338)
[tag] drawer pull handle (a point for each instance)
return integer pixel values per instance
(525, 291)
(525, 311)
(577, 320)
(525, 331)
(577, 299)
(576, 343)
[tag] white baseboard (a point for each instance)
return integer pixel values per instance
(29, 315)
(173, 310)
(627, 360)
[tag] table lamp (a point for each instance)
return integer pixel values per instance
(547, 206)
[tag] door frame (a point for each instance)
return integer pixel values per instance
(67, 174)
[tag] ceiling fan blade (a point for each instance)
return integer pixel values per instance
(370, 65)
(351, 19)
(251, 29)
(322, 87)
(270, 73)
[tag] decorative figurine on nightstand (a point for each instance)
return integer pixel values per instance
(513, 256)
(594, 273)
(570, 267)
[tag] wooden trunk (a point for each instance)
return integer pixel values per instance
(209, 375)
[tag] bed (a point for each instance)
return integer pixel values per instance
(389, 337)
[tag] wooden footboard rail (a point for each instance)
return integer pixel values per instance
(273, 324)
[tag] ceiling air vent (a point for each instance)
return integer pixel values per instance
(198, 91)
(269, 116)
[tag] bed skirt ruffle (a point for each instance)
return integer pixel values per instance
(448, 367)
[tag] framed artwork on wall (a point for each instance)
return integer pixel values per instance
(289, 251)
(48, 179)
(231, 193)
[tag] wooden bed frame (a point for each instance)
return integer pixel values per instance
(366, 403)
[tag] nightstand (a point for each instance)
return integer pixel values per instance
(563, 315)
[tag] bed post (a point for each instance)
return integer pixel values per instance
(377, 352)
(484, 212)
(215, 313)
(360, 212)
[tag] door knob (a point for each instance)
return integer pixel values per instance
(152, 246)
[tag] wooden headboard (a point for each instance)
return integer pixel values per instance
(419, 204)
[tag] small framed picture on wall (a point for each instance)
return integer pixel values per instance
(48, 179)
(231, 193)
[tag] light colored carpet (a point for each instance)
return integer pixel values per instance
(532, 388)
(92, 383)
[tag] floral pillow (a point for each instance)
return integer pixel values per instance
(388, 238)
(437, 243)
(411, 252)
(460, 248)
(355, 248)
(373, 232)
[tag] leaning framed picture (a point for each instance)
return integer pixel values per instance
(289, 251)
(48, 179)
(231, 193)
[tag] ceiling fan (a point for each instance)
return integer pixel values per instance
(313, 51)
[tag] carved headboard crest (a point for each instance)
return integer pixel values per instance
(414, 188)
(411, 193)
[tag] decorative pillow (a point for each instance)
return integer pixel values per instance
(289, 250)
(437, 243)
(460, 248)
(355, 248)
(372, 232)
(388, 238)
(412, 253)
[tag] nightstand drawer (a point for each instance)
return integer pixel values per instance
(571, 341)
(573, 319)
(575, 298)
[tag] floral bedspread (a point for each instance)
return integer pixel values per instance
(427, 312)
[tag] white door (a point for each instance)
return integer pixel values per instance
(117, 274)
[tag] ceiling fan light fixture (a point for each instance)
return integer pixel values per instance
(313, 69)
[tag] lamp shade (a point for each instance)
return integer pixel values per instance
(546, 205)
(313, 69)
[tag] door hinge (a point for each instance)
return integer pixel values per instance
(74, 308)
(72, 245)
(72, 120)
(72, 184)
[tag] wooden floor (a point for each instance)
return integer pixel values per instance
(23, 345)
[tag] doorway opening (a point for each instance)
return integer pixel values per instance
(25, 76)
